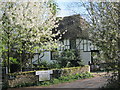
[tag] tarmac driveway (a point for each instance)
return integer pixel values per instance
(95, 82)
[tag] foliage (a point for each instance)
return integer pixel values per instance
(96, 58)
(69, 58)
(112, 82)
(26, 27)
(105, 30)
(47, 64)
(54, 65)
(13, 60)
(4, 86)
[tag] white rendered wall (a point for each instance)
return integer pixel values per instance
(86, 57)
(46, 57)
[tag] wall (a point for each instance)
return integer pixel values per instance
(22, 79)
(86, 57)
(30, 77)
(46, 57)
(85, 46)
(47, 54)
(85, 52)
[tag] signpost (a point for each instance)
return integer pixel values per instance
(44, 75)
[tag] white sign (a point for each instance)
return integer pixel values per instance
(44, 75)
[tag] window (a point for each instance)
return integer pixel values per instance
(85, 45)
(72, 44)
(66, 44)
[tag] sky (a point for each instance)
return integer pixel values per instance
(70, 7)
(67, 0)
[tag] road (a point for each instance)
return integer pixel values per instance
(95, 82)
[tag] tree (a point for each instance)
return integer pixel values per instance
(105, 31)
(26, 27)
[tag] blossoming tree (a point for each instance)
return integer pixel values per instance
(26, 28)
(105, 31)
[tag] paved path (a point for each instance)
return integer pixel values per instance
(95, 82)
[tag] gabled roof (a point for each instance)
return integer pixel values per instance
(75, 25)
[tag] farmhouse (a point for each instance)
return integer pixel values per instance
(76, 37)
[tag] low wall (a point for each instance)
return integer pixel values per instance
(22, 79)
(31, 77)
(68, 71)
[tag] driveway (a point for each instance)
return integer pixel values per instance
(95, 82)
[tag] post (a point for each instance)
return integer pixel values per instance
(8, 56)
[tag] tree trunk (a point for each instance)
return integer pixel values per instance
(119, 42)
(8, 56)
(119, 59)
(31, 55)
(20, 62)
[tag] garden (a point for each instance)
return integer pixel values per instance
(30, 28)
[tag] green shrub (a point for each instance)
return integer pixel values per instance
(75, 77)
(45, 83)
(69, 58)
(55, 81)
(5, 85)
(49, 65)
(53, 65)
(112, 82)
(64, 78)
(25, 85)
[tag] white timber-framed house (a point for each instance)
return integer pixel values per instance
(76, 37)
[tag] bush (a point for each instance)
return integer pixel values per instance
(55, 81)
(48, 65)
(113, 82)
(53, 65)
(69, 58)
